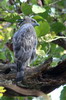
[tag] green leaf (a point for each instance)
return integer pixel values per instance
(12, 17)
(45, 47)
(26, 8)
(37, 9)
(43, 28)
(55, 62)
(23, 98)
(63, 57)
(62, 3)
(33, 1)
(38, 18)
(47, 1)
(2, 55)
(63, 94)
(7, 98)
(9, 54)
(56, 50)
(57, 27)
(4, 3)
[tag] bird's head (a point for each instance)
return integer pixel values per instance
(28, 20)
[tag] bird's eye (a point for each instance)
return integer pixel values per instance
(33, 20)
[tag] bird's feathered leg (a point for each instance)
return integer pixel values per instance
(20, 71)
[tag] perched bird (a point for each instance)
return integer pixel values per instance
(24, 45)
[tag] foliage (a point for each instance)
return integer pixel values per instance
(63, 94)
(15, 98)
(7, 98)
(51, 17)
(2, 90)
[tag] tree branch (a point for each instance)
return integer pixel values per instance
(37, 80)
(21, 91)
(40, 2)
(2, 19)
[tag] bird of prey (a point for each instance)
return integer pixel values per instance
(24, 45)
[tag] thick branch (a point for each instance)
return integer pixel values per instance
(37, 80)
(15, 90)
(2, 19)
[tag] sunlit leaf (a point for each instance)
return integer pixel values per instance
(1, 37)
(2, 90)
(1, 94)
(1, 87)
(37, 9)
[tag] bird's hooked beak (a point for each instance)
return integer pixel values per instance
(37, 24)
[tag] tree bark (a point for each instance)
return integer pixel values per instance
(37, 80)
